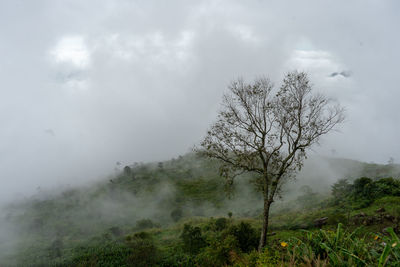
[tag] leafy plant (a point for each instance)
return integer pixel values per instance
(192, 239)
(343, 248)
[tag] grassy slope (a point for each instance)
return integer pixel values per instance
(75, 223)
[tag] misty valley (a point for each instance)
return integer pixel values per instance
(203, 133)
(177, 213)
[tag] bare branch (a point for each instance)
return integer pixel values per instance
(266, 131)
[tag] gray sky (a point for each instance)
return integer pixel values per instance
(87, 83)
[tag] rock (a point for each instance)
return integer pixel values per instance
(380, 210)
(360, 215)
(320, 222)
(369, 220)
(389, 217)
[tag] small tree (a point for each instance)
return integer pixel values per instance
(192, 239)
(266, 131)
(127, 170)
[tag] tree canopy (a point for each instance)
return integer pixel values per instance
(266, 130)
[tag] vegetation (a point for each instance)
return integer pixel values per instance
(365, 190)
(266, 132)
(150, 216)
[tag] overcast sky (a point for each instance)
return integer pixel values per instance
(87, 83)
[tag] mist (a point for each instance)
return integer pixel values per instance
(85, 85)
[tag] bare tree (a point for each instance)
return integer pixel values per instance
(266, 131)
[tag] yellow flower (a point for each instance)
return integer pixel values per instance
(284, 244)
(394, 244)
(376, 237)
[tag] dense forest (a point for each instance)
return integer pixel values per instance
(178, 213)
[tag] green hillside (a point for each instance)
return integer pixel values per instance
(159, 208)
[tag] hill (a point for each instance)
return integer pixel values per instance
(58, 228)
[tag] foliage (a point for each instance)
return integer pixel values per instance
(221, 250)
(109, 254)
(364, 190)
(343, 248)
(266, 131)
(221, 224)
(341, 189)
(127, 170)
(192, 239)
(143, 251)
(269, 258)
(246, 235)
(97, 226)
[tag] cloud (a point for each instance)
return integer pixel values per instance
(142, 80)
(71, 50)
(345, 74)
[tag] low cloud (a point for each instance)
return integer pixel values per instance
(141, 81)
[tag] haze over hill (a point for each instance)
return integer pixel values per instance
(163, 192)
(87, 84)
(98, 98)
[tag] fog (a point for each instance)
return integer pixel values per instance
(54, 221)
(85, 84)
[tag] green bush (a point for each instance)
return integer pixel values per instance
(386, 187)
(192, 239)
(221, 224)
(246, 235)
(143, 251)
(221, 251)
(364, 191)
(337, 217)
(362, 187)
(341, 189)
(343, 248)
(108, 254)
(177, 258)
(127, 170)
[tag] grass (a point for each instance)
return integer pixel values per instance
(73, 228)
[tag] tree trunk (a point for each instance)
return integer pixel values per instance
(264, 231)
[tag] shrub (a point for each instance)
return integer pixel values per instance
(143, 251)
(127, 170)
(386, 187)
(222, 251)
(336, 218)
(216, 225)
(246, 236)
(343, 248)
(362, 187)
(221, 224)
(341, 190)
(192, 239)
(107, 254)
(364, 190)
(177, 258)
(269, 258)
